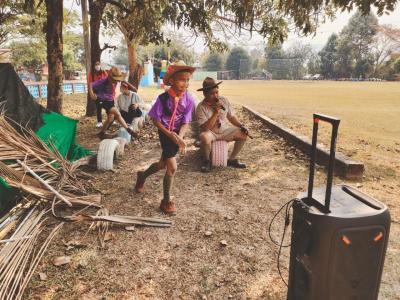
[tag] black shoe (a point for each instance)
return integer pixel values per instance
(206, 167)
(234, 163)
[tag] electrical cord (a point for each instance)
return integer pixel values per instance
(287, 206)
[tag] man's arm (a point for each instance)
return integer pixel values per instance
(210, 123)
(234, 120)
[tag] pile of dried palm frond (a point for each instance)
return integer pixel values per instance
(45, 181)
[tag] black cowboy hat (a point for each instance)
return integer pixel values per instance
(209, 83)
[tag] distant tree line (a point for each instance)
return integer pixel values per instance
(237, 60)
(363, 49)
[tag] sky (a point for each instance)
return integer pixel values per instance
(316, 41)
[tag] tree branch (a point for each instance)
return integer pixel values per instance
(119, 5)
(107, 46)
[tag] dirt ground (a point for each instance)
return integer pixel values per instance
(181, 262)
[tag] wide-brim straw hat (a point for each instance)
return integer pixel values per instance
(116, 74)
(209, 83)
(176, 67)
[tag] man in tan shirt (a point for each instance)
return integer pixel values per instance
(215, 117)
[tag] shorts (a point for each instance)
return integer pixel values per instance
(169, 148)
(228, 134)
(106, 104)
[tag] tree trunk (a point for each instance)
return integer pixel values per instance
(96, 9)
(54, 9)
(135, 69)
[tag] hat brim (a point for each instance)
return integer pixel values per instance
(118, 77)
(209, 87)
(176, 69)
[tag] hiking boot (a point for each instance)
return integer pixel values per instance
(234, 163)
(132, 133)
(168, 207)
(206, 167)
(140, 180)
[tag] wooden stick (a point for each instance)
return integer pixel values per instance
(59, 196)
(15, 239)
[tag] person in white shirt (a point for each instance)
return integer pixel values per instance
(131, 106)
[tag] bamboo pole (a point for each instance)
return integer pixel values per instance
(59, 196)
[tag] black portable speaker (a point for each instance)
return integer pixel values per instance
(339, 237)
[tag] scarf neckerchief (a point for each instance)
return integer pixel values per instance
(176, 97)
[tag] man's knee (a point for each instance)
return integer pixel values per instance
(240, 136)
(205, 138)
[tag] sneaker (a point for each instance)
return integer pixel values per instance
(206, 167)
(234, 163)
(99, 125)
(139, 186)
(168, 207)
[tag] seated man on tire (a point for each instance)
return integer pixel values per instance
(217, 121)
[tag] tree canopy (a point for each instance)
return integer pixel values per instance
(238, 60)
(213, 62)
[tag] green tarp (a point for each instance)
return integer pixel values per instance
(59, 131)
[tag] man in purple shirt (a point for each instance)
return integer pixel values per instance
(171, 114)
(104, 92)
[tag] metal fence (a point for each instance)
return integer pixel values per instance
(39, 89)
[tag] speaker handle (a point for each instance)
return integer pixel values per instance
(335, 126)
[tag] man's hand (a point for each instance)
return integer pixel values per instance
(135, 106)
(245, 131)
(217, 106)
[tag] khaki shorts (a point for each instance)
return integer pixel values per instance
(228, 134)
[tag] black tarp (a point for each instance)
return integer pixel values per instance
(19, 104)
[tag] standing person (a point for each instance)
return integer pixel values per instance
(97, 74)
(130, 106)
(215, 117)
(104, 91)
(171, 114)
